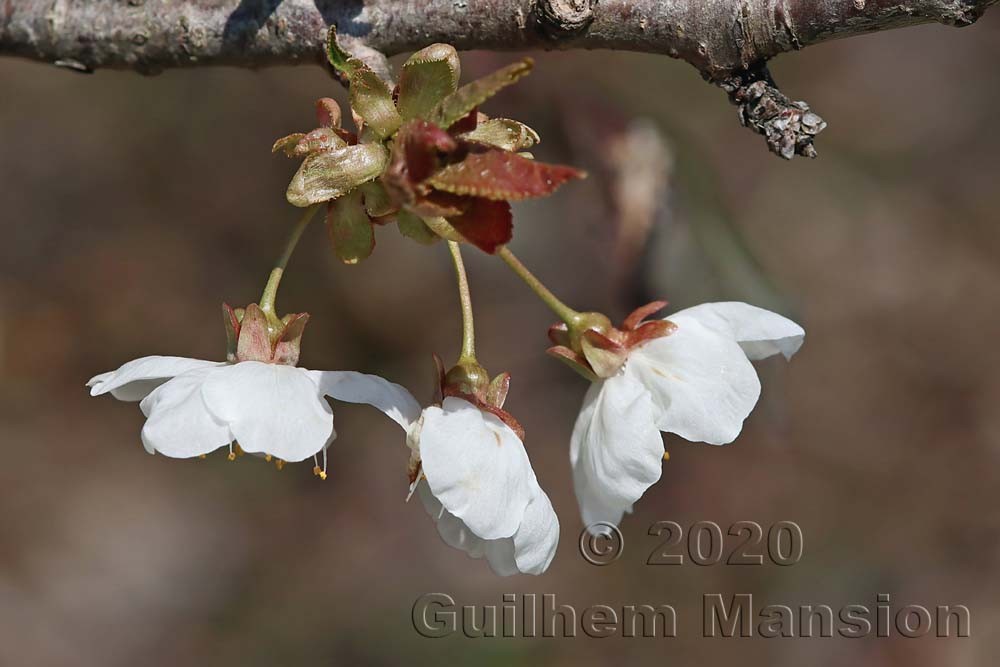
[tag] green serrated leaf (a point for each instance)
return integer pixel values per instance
(510, 135)
(371, 99)
(338, 57)
(349, 228)
(427, 77)
(471, 95)
(331, 174)
(412, 226)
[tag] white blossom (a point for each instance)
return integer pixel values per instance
(697, 382)
(194, 407)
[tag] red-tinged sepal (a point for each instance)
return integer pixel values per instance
(253, 335)
(574, 361)
(231, 319)
(496, 393)
(254, 342)
(559, 334)
(502, 175)
(289, 340)
(439, 374)
(605, 356)
(649, 331)
(636, 317)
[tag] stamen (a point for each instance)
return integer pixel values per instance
(202, 456)
(232, 454)
(666, 456)
(279, 464)
(267, 457)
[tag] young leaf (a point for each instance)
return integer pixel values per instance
(372, 100)
(287, 144)
(496, 174)
(503, 133)
(485, 224)
(331, 174)
(412, 226)
(338, 57)
(349, 228)
(471, 95)
(377, 201)
(320, 139)
(427, 77)
(328, 112)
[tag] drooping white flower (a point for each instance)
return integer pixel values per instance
(697, 381)
(259, 399)
(473, 476)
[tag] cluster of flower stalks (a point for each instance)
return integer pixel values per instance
(423, 157)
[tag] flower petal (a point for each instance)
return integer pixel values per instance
(351, 387)
(476, 466)
(270, 408)
(529, 551)
(759, 332)
(616, 449)
(136, 379)
(701, 382)
(178, 423)
(537, 537)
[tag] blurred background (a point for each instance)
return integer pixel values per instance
(131, 207)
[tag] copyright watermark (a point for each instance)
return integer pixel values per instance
(601, 543)
(702, 543)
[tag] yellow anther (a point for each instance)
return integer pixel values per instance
(237, 449)
(322, 474)
(666, 456)
(267, 457)
(232, 456)
(202, 456)
(279, 464)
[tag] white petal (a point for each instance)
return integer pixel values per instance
(476, 466)
(270, 408)
(529, 551)
(136, 379)
(395, 401)
(537, 537)
(701, 382)
(759, 332)
(178, 423)
(453, 530)
(616, 449)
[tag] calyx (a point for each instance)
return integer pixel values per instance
(250, 336)
(596, 349)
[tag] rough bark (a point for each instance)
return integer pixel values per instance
(728, 41)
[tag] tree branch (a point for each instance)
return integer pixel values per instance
(728, 41)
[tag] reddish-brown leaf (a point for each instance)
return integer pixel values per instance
(484, 223)
(417, 153)
(501, 175)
